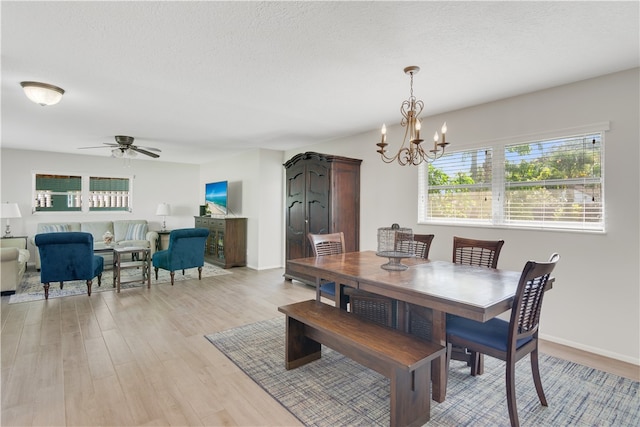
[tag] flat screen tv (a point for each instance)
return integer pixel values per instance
(216, 197)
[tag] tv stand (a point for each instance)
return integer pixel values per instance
(227, 242)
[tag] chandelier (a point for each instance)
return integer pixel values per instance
(412, 153)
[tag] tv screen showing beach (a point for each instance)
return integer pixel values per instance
(216, 197)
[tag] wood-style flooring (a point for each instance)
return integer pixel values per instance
(140, 357)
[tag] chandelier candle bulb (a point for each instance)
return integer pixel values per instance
(384, 133)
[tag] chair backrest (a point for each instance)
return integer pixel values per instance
(65, 256)
(327, 244)
(186, 247)
(481, 253)
(421, 244)
(525, 311)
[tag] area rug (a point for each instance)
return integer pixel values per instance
(335, 391)
(31, 289)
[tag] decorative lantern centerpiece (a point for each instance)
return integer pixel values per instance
(395, 243)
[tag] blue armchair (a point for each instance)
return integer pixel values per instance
(68, 256)
(186, 250)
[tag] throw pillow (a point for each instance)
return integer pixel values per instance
(136, 232)
(55, 228)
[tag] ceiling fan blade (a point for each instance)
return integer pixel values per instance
(157, 150)
(148, 153)
(110, 144)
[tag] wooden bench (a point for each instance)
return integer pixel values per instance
(404, 359)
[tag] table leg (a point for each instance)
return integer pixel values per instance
(116, 262)
(147, 267)
(439, 365)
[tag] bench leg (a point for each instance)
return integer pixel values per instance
(299, 350)
(410, 398)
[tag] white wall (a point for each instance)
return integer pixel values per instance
(154, 182)
(595, 304)
(255, 193)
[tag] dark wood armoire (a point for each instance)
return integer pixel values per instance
(322, 196)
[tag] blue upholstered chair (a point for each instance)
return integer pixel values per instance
(513, 340)
(68, 256)
(186, 250)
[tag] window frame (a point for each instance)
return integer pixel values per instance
(499, 184)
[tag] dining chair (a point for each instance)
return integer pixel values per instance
(417, 320)
(66, 256)
(327, 244)
(364, 304)
(388, 311)
(480, 253)
(421, 245)
(509, 341)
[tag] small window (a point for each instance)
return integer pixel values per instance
(109, 194)
(460, 186)
(58, 193)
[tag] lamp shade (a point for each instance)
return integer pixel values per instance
(10, 210)
(164, 209)
(42, 93)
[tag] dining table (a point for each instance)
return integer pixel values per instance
(477, 293)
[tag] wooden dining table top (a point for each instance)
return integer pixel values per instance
(477, 293)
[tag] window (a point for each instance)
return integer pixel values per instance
(108, 194)
(64, 193)
(58, 193)
(551, 184)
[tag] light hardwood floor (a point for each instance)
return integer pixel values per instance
(140, 357)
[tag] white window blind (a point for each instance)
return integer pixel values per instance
(555, 183)
(551, 184)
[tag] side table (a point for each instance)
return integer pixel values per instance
(163, 239)
(141, 258)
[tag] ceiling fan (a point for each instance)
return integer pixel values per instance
(125, 146)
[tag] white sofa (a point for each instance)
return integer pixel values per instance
(13, 259)
(133, 232)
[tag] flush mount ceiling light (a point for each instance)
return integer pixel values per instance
(413, 153)
(42, 93)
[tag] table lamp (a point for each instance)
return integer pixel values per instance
(163, 210)
(9, 210)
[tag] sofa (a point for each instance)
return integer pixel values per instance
(13, 263)
(134, 232)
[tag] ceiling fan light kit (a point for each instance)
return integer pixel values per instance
(42, 93)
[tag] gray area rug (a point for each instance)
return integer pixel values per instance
(335, 391)
(31, 289)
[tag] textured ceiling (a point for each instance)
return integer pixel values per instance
(203, 79)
